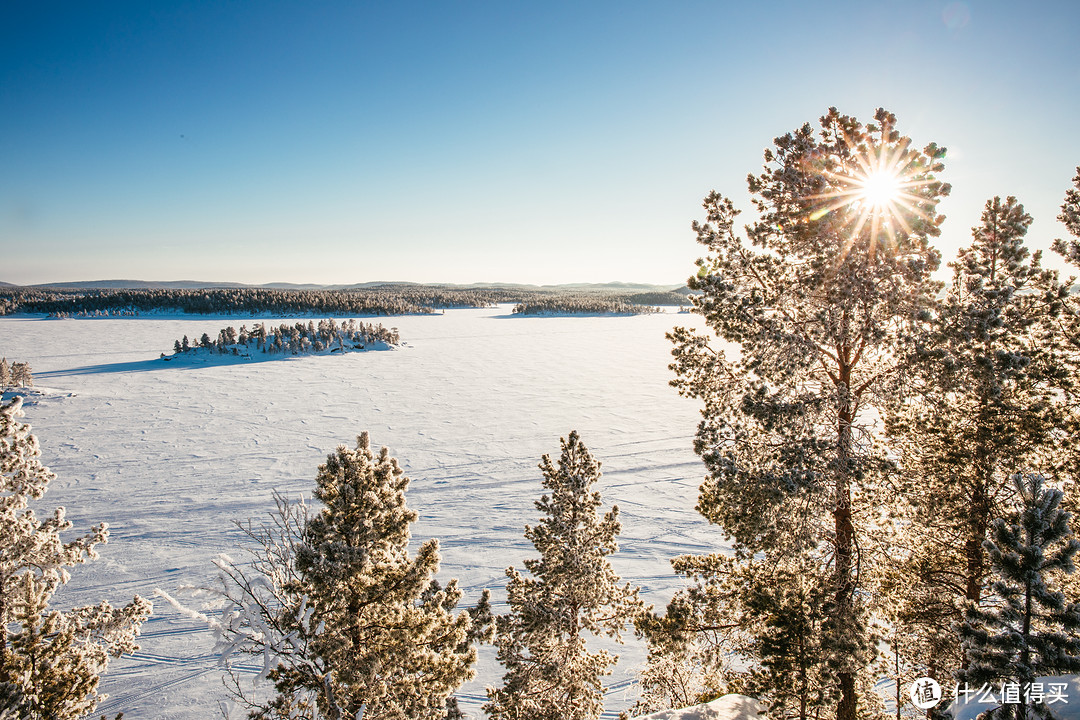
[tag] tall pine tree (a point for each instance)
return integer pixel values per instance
(1069, 322)
(817, 304)
(984, 402)
(542, 642)
(50, 660)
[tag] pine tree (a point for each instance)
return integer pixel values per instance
(345, 620)
(5, 373)
(1068, 326)
(987, 403)
(51, 662)
(1032, 630)
(818, 303)
(550, 673)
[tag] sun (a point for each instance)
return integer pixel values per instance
(880, 189)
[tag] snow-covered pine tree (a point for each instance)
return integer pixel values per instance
(572, 590)
(1031, 630)
(818, 303)
(50, 661)
(5, 373)
(344, 619)
(985, 399)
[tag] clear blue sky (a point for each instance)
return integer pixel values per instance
(544, 142)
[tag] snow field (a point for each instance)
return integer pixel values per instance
(170, 454)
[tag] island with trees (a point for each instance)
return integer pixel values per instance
(582, 304)
(327, 337)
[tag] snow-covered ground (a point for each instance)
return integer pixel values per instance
(171, 454)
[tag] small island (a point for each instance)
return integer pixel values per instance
(327, 337)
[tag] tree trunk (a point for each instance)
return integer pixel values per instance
(3, 630)
(973, 549)
(845, 534)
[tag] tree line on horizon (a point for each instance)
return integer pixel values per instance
(890, 464)
(396, 299)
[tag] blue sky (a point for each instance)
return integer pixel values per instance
(543, 142)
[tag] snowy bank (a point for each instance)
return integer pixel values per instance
(728, 707)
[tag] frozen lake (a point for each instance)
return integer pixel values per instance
(170, 455)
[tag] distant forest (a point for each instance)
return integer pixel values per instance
(392, 299)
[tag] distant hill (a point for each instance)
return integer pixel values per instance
(134, 285)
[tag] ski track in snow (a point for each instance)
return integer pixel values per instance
(171, 455)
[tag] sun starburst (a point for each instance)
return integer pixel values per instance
(880, 189)
(874, 192)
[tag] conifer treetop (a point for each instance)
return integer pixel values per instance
(812, 191)
(364, 516)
